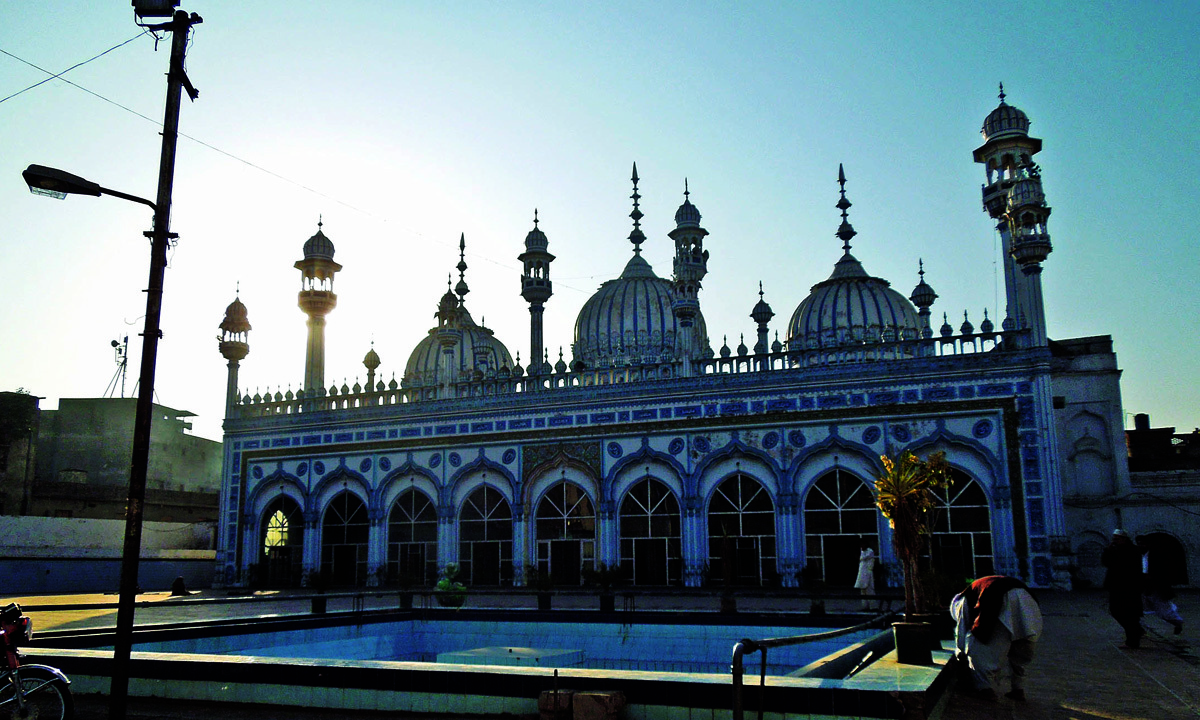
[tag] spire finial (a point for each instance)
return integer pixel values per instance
(760, 290)
(1001, 93)
(921, 268)
(845, 231)
(637, 237)
(237, 292)
(535, 220)
(320, 221)
(686, 193)
(461, 288)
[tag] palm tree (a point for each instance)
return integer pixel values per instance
(904, 494)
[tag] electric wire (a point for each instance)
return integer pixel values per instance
(64, 72)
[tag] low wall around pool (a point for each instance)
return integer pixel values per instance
(882, 690)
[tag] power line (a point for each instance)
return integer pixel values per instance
(64, 72)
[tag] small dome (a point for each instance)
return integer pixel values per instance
(371, 360)
(987, 326)
(946, 330)
(922, 295)
(536, 239)
(762, 312)
(237, 319)
(851, 308)
(742, 350)
(1004, 121)
(966, 328)
(318, 246)
(687, 216)
(477, 353)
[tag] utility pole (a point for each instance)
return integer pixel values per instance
(180, 25)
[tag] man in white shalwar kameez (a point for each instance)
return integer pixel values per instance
(999, 623)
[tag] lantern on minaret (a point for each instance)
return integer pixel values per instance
(536, 288)
(316, 299)
(235, 346)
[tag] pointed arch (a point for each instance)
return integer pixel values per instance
(559, 468)
(281, 542)
(402, 478)
(412, 537)
(642, 464)
(649, 530)
(336, 480)
(485, 533)
(345, 533)
(741, 532)
(736, 457)
(481, 471)
(565, 532)
(839, 515)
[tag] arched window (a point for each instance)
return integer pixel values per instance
(649, 527)
(412, 540)
(282, 543)
(741, 533)
(566, 533)
(344, 531)
(961, 541)
(485, 538)
(838, 511)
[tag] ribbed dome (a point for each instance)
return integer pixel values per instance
(318, 246)
(629, 320)
(371, 360)
(477, 352)
(237, 319)
(1004, 121)
(851, 308)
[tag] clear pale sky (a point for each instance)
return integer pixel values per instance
(406, 124)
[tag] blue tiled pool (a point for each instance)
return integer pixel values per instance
(657, 647)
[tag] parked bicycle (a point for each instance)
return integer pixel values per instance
(28, 692)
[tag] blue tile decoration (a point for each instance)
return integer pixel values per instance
(604, 417)
(1025, 411)
(676, 446)
(757, 406)
(522, 424)
(581, 419)
(832, 401)
(435, 460)
(561, 420)
(901, 433)
(376, 434)
(257, 472)
(1024, 387)
(1033, 489)
(938, 393)
(807, 403)
(981, 429)
(509, 456)
(501, 424)
(702, 444)
(770, 440)
(645, 414)
(385, 463)
(302, 469)
(966, 392)
(343, 437)
(311, 440)
(884, 398)
(688, 411)
(540, 422)
(796, 438)
(911, 396)
(711, 409)
(623, 416)
(393, 434)
(358, 436)
(427, 431)
(251, 444)
(733, 408)
(1030, 464)
(871, 435)
(995, 390)
(319, 467)
(481, 427)
(446, 429)
(857, 401)
(237, 446)
(464, 428)
(455, 459)
(780, 405)
(1037, 518)
(365, 466)
(615, 450)
(410, 432)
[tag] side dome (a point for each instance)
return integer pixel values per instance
(237, 318)
(1005, 121)
(851, 308)
(629, 321)
(318, 246)
(477, 354)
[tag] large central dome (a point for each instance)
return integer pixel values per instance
(629, 321)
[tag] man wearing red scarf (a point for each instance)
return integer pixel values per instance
(998, 625)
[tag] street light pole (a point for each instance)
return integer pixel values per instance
(160, 237)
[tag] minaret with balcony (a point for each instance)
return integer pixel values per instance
(235, 346)
(536, 288)
(690, 266)
(316, 299)
(1014, 198)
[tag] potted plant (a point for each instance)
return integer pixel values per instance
(904, 494)
(604, 577)
(449, 592)
(540, 581)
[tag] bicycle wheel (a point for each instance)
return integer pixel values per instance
(47, 698)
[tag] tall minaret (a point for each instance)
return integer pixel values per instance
(1013, 197)
(536, 288)
(691, 265)
(235, 346)
(316, 299)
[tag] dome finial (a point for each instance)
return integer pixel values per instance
(637, 237)
(461, 288)
(760, 290)
(320, 220)
(1002, 93)
(535, 220)
(686, 192)
(845, 231)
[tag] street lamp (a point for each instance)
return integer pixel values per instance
(57, 183)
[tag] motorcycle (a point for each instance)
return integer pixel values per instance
(28, 692)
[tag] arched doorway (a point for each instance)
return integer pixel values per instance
(961, 541)
(485, 538)
(1166, 558)
(741, 533)
(649, 527)
(412, 539)
(566, 534)
(344, 532)
(839, 512)
(281, 543)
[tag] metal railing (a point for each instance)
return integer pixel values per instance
(749, 646)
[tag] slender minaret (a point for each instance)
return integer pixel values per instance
(690, 266)
(316, 299)
(371, 361)
(923, 297)
(235, 346)
(761, 315)
(536, 288)
(1013, 197)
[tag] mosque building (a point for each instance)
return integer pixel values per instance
(667, 461)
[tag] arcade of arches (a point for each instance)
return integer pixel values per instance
(740, 526)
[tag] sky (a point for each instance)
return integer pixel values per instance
(401, 125)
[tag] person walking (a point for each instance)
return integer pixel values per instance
(1124, 582)
(1159, 593)
(866, 572)
(999, 623)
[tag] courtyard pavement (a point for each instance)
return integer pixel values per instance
(1080, 670)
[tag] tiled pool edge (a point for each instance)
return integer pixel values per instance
(885, 690)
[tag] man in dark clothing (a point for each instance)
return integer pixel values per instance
(1123, 579)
